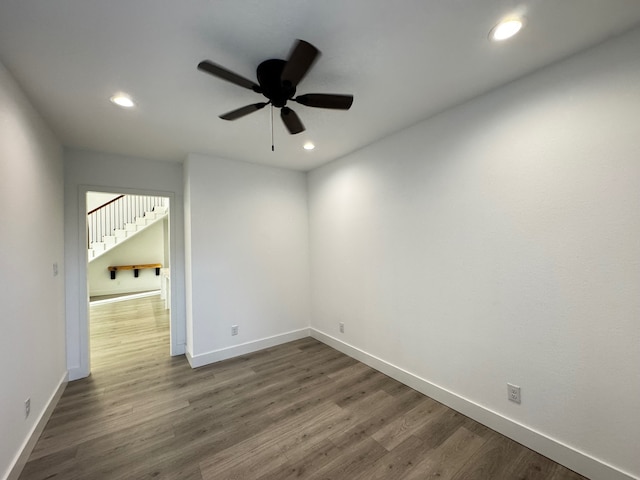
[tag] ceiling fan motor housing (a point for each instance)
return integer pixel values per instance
(269, 77)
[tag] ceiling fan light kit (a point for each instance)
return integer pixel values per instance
(277, 81)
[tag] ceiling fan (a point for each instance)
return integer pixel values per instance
(277, 81)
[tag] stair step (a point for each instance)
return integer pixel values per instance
(131, 227)
(110, 239)
(151, 215)
(160, 209)
(141, 221)
(98, 246)
(120, 233)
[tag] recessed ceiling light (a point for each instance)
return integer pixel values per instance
(122, 100)
(309, 146)
(506, 29)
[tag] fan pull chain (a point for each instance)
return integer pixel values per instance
(272, 147)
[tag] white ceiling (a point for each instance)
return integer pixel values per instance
(403, 61)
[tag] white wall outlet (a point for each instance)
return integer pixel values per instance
(27, 407)
(234, 329)
(341, 327)
(55, 269)
(513, 393)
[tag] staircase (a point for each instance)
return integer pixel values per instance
(120, 219)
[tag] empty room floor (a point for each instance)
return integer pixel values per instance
(298, 410)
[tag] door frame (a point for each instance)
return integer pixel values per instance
(176, 322)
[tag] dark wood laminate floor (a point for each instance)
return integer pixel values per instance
(299, 410)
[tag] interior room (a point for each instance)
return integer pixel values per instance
(454, 209)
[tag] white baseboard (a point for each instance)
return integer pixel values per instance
(30, 442)
(559, 452)
(124, 296)
(244, 348)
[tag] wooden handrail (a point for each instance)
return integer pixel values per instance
(108, 203)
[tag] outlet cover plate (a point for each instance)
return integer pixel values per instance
(513, 393)
(234, 329)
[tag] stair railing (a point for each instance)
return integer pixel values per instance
(116, 213)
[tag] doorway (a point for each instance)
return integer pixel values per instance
(128, 255)
(127, 244)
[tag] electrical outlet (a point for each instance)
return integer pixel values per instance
(513, 393)
(27, 407)
(55, 269)
(234, 329)
(341, 327)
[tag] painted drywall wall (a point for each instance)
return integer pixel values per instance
(92, 171)
(97, 199)
(32, 297)
(246, 241)
(145, 247)
(500, 242)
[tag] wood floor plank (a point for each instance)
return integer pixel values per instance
(301, 410)
(492, 460)
(531, 465)
(305, 462)
(445, 461)
(394, 433)
(394, 464)
(443, 425)
(265, 451)
(355, 458)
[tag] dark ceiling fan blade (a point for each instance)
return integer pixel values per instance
(291, 121)
(229, 76)
(299, 62)
(242, 111)
(325, 100)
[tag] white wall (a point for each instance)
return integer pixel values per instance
(97, 199)
(32, 298)
(500, 242)
(144, 247)
(91, 171)
(246, 245)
